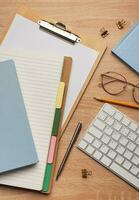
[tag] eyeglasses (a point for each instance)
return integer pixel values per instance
(114, 84)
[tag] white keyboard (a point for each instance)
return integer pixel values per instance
(112, 139)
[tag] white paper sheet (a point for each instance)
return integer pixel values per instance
(25, 34)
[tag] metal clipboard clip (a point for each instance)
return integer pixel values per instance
(60, 30)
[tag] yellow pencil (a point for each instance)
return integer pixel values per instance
(122, 103)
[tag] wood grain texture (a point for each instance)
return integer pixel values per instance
(84, 17)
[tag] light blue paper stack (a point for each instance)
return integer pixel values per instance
(128, 48)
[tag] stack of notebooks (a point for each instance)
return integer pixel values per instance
(31, 93)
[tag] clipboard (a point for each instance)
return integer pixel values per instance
(35, 17)
(89, 42)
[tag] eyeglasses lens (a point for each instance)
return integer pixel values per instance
(113, 83)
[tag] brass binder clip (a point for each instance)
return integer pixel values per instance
(104, 32)
(86, 173)
(60, 30)
(120, 24)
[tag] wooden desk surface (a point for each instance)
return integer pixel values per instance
(86, 17)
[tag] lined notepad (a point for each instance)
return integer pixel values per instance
(39, 78)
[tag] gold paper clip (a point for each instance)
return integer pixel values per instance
(104, 32)
(120, 24)
(86, 173)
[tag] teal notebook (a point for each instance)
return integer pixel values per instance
(128, 48)
(16, 143)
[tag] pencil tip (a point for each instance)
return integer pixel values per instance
(97, 98)
(57, 177)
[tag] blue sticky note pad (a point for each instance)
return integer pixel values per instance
(128, 48)
(16, 143)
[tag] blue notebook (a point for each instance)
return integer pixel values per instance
(16, 143)
(128, 48)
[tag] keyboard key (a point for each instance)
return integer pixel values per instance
(108, 130)
(90, 149)
(104, 148)
(110, 121)
(134, 170)
(137, 141)
(132, 136)
(97, 143)
(120, 149)
(105, 139)
(117, 126)
(126, 121)
(97, 155)
(128, 154)
(135, 160)
(116, 135)
(113, 144)
(111, 154)
(125, 174)
(99, 124)
(123, 141)
(95, 132)
(118, 116)
(131, 146)
(137, 151)
(83, 144)
(127, 164)
(106, 161)
(102, 116)
(133, 126)
(109, 109)
(124, 131)
(89, 138)
(119, 159)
